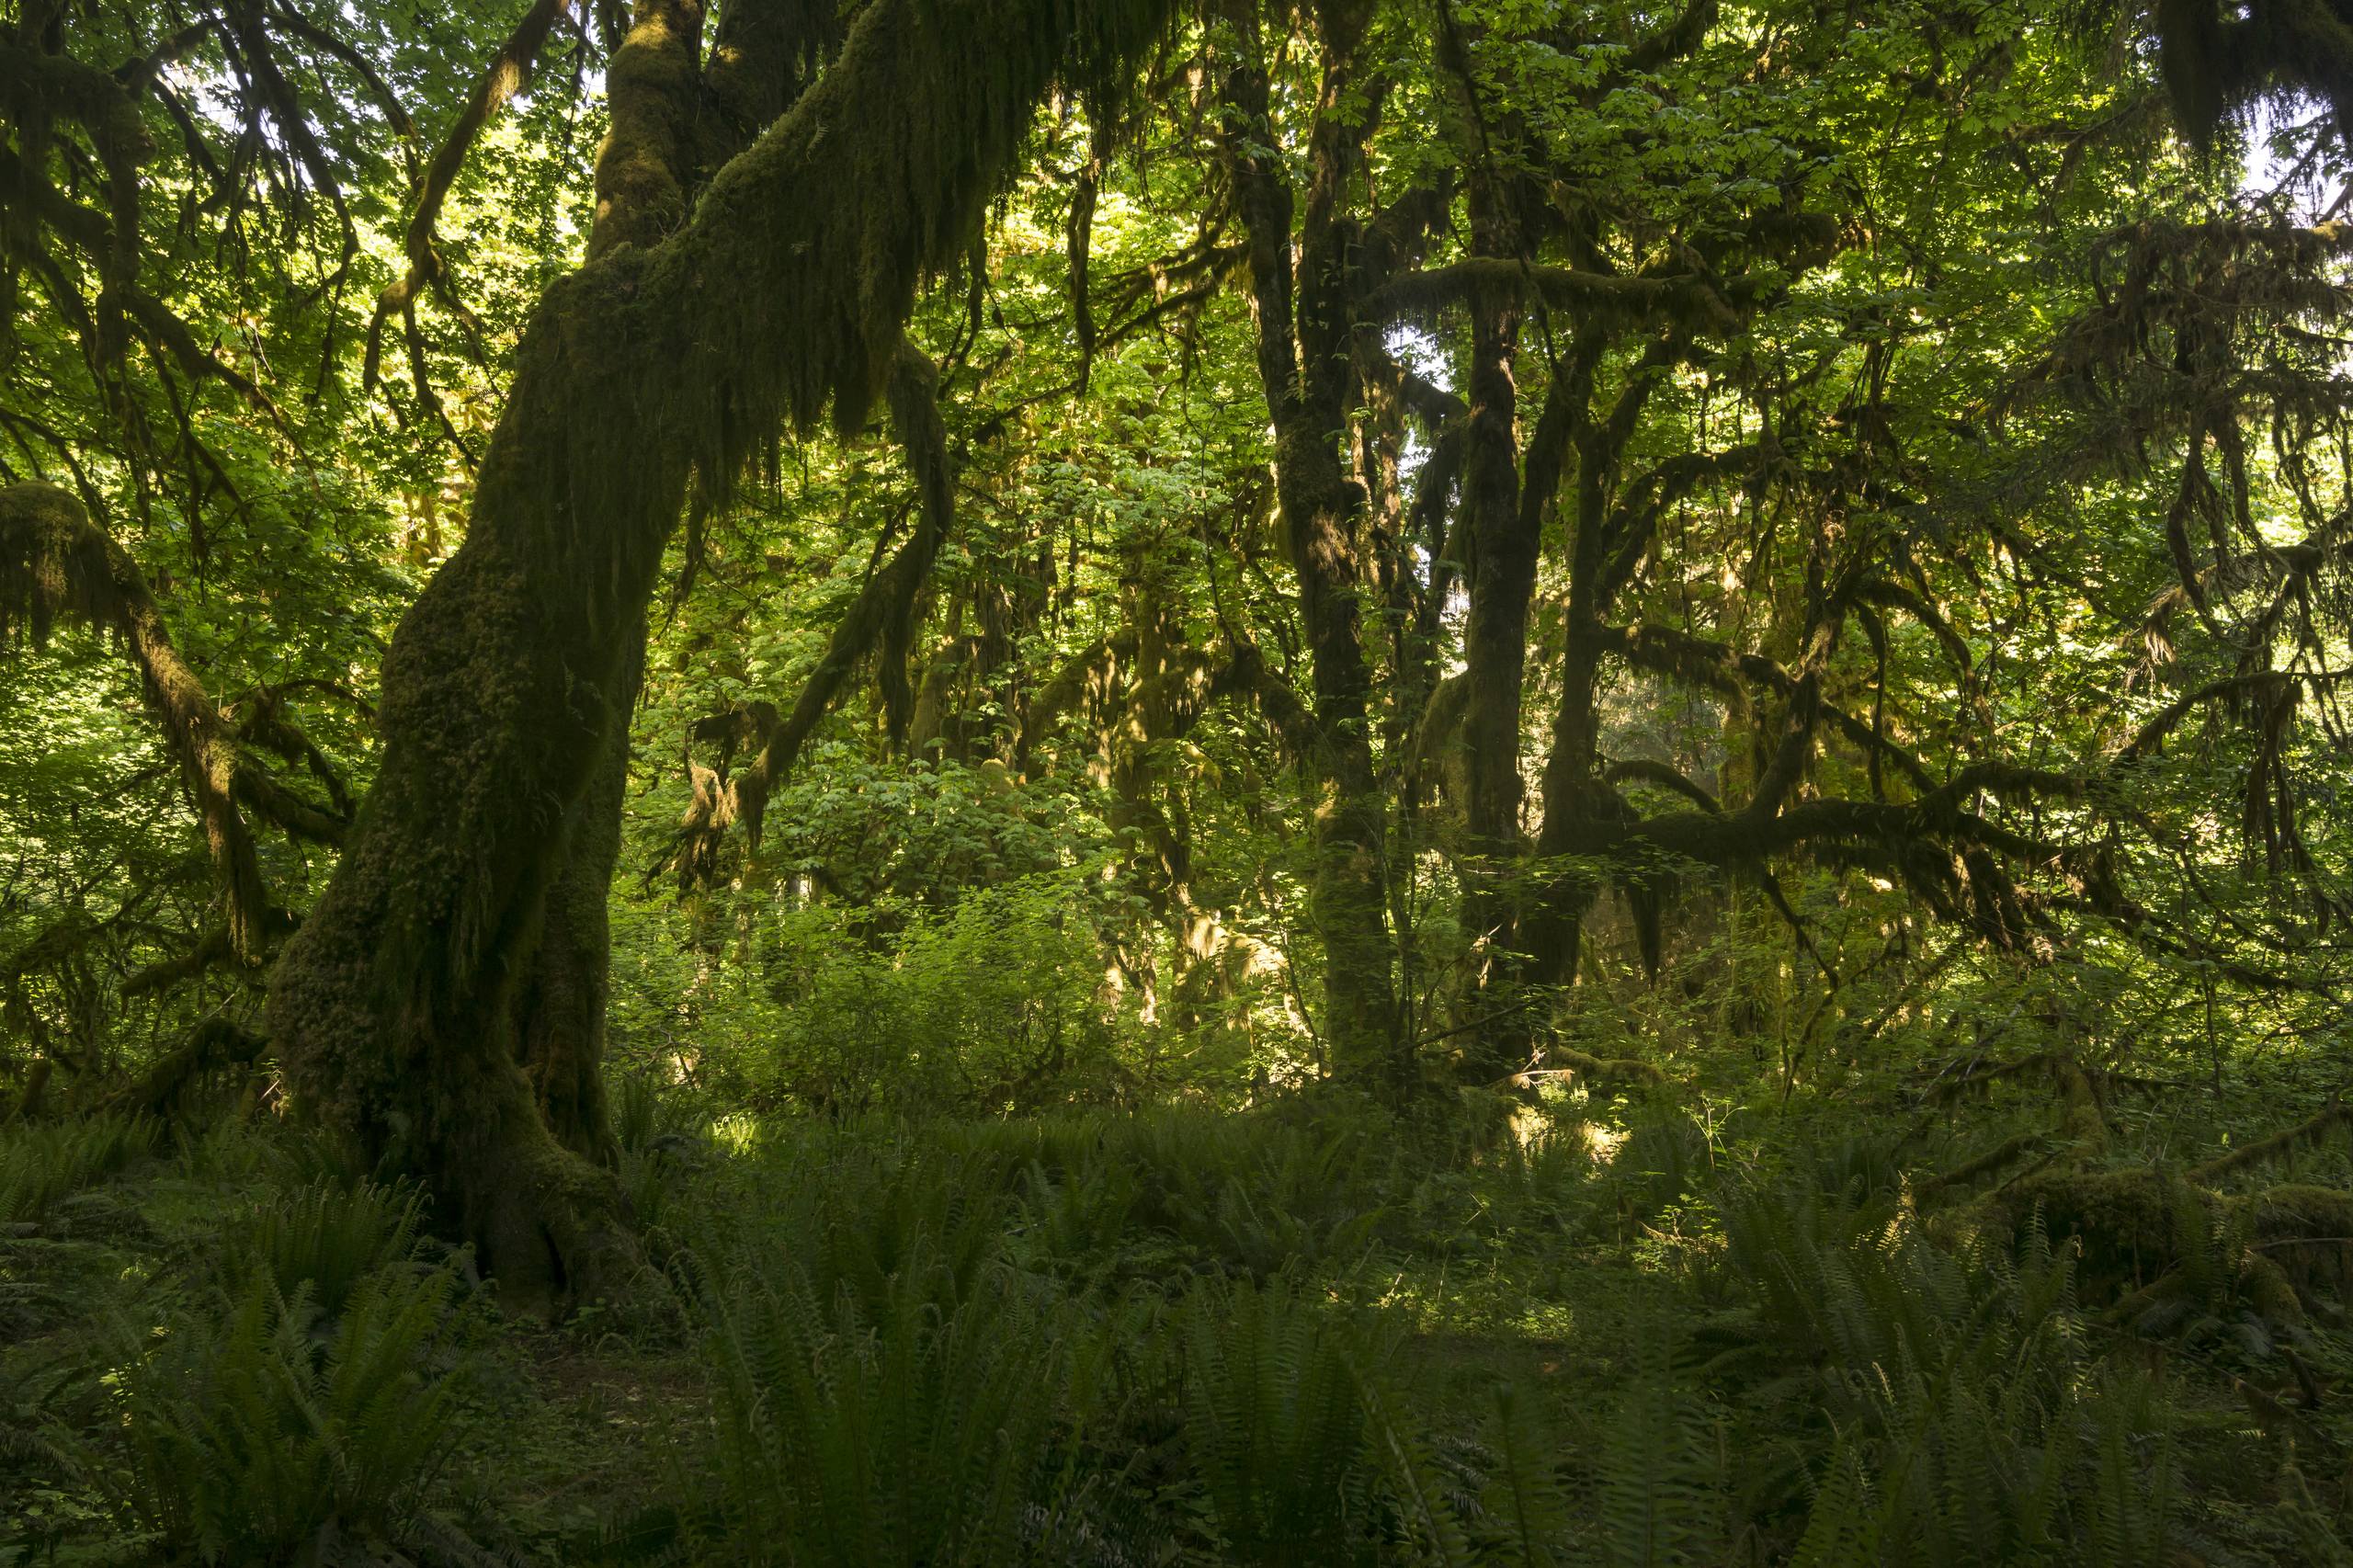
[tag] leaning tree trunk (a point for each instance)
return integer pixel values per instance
(652, 161)
(780, 299)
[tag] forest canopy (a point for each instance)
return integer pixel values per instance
(1038, 711)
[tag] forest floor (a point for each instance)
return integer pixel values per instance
(1615, 1334)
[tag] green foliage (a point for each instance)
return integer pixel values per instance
(1887, 410)
(904, 1429)
(993, 1004)
(1276, 1422)
(1057, 1339)
(42, 1163)
(325, 1239)
(1530, 1509)
(259, 1430)
(1971, 1419)
(1660, 1482)
(2316, 1534)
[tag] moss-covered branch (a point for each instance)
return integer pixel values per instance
(880, 620)
(1425, 293)
(57, 564)
(507, 74)
(2279, 1146)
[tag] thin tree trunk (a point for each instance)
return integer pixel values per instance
(1501, 580)
(1303, 361)
(1575, 799)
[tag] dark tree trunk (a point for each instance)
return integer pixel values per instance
(1501, 579)
(780, 299)
(1507, 507)
(645, 172)
(1304, 334)
(559, 1012)
(1576, 801)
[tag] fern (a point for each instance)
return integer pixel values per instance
(322, 1238)
(1842, 1527)
(2315, 1533)
(1275, 1422)
(890, 1427)
(1973, 1425)
(254, 1434)
(45, 1161)
(1659, 1500)
(2128, 1511)
(1529, 1512)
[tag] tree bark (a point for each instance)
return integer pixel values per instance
(1576, 800)
(781, 297)
(1303, 360)
(1504, 539)
(560, 1015)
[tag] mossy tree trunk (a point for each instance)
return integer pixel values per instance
(780, 298)
(560, 1010)
(1304, 331)
(1503, 530)
(654, 158)
(1580, 806)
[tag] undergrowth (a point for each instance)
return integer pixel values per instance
(1153, 1339)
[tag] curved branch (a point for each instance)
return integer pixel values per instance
(1642, 770)
(318, 38)
(1893, 595)
(56, 563)
(1724, 669)
(1686, 297)
(884, 611)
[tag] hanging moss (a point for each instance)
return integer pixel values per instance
(880, 620)
(2219, 57)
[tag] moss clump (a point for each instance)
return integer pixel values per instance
(2308, 1232)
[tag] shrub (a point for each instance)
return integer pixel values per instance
(994, 1004)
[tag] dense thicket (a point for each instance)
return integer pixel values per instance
(1712, 633)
